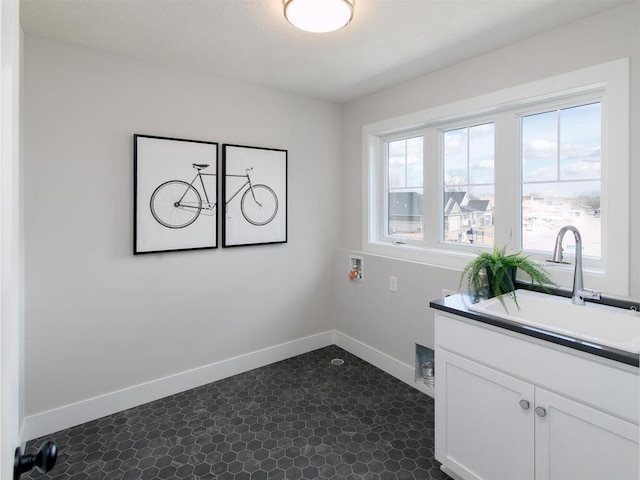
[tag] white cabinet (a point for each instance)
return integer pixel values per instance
(479, 419)
(509, 408)
(576, 441)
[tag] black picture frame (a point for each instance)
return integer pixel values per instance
(254, 189)
(175, 194)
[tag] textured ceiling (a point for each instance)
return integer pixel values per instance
(388, 41)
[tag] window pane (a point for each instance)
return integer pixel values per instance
(481, 153)
(580, 142)
(548, 207)
(405, 214)
(455, 156)
(404, 195)
(468, 215)
(414, 162)
(397, 163)
(540, 147)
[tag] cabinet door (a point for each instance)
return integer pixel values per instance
(484, 421)
(577, 441)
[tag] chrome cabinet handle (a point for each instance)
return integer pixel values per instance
(524, 404)
(541, 412)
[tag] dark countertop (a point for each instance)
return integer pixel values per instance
(458, 305)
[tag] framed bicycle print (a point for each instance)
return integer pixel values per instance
(175, 194)
(254, 189)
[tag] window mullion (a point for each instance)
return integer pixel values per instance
(507, 182)
(558, 146)
(432, 181)
(406, 166)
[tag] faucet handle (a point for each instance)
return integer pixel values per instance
(584, 293)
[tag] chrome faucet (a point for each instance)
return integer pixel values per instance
(579, 293)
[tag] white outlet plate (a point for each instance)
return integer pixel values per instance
(393, 283)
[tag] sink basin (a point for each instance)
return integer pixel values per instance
(591, 323)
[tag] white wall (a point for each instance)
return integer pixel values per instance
(387, 323)
(98, 319)
(393, 323)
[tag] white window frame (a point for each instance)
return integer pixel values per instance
(592, 97)
(383, 205)
(608, 81)
(438, 161)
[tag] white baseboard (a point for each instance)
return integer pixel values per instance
(375, 357)
(450, 473)
(67, 416)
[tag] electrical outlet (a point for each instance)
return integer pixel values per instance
(393, 283)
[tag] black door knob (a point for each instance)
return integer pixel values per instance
(43, 460)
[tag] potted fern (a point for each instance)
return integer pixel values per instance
(497, 271)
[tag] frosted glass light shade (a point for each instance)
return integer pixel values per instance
(318, 16)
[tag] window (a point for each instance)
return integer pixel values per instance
(468, 194)
(561, 177)
(404, 218)
(509, 169)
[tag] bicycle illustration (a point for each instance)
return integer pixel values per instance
(177, 204)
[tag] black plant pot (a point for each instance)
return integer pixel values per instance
(508, 280)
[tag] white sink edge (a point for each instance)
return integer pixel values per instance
(494, 308)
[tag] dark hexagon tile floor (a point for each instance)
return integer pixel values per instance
(302, 418)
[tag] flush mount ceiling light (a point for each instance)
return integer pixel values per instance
(318, 16)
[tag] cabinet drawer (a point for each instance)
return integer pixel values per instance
(605, 386)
